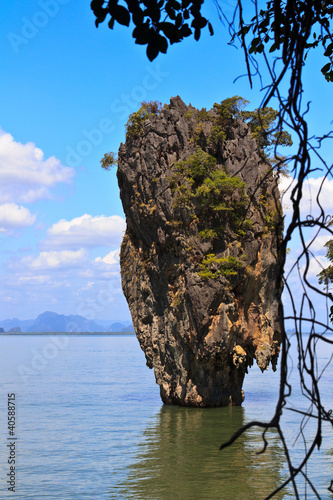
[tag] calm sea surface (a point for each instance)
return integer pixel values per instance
(90, 425)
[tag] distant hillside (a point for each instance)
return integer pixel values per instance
(8, 324)
(53, 322)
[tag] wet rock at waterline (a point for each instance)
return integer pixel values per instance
(199, 256)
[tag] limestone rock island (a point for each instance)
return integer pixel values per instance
(199, 257)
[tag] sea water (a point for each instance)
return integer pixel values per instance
(88, 423)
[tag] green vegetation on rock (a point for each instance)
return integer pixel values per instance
(203, 190)
(227, 113)
(212, 267)
(230, 109)
(207, 201)
(109, 160)
(262, 123)
(208, 193)
(135, 120)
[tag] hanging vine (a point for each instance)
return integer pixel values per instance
(290, 30)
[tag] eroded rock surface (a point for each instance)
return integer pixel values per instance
(198, 260)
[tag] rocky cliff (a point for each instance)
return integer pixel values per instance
(198, 259)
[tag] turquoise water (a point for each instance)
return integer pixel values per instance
(90, 425)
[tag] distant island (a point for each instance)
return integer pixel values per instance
(51, 322)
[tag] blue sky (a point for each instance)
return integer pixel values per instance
(66, 91)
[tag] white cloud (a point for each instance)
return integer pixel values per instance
(316, 265)
(105, 268)
(62, 259)
(24, 173)
(109, 259)
(302, 296)
(13, 216)
(73, 281)
(317, 246)
(40, 279)
(309, 204)
(86, 231)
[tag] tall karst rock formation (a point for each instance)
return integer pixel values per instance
(199, 257)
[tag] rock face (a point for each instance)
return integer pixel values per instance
(198, 259)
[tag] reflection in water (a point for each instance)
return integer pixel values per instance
(179, 458)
